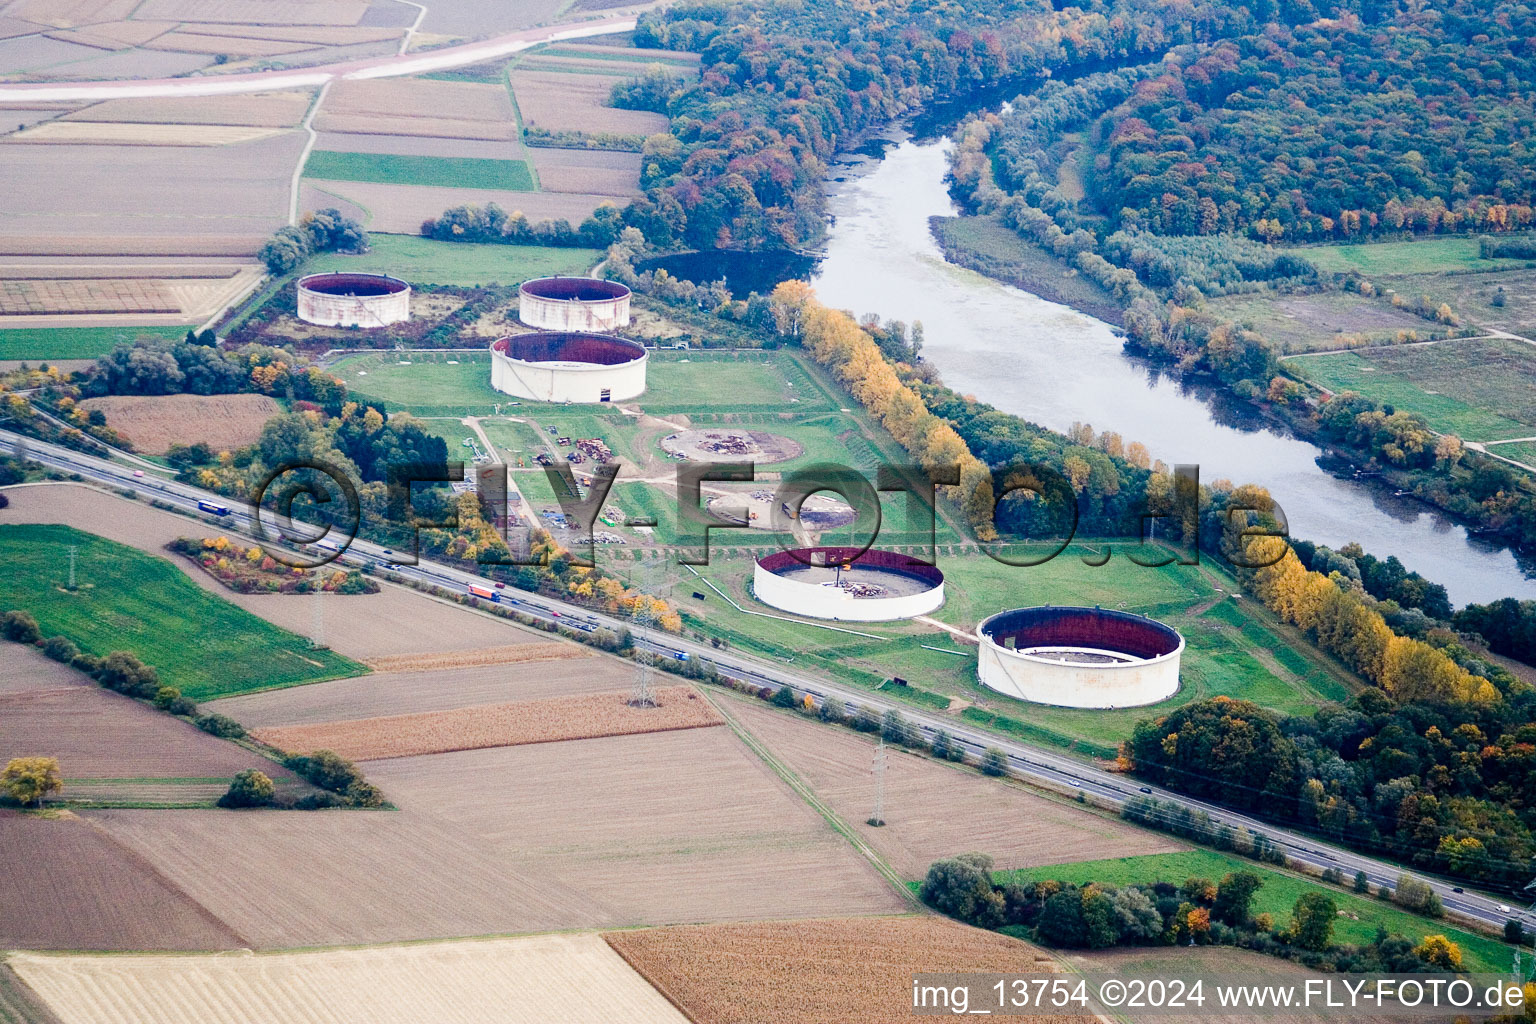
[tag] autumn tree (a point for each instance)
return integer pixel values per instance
(31, 780)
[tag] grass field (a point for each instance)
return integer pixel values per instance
(1521, 451)
(74, 342)
(1478, 389)
(1305, 323)
(1358, 925)
(1234, 648)
(438, 171)
(461, 264)
(1425, 255)
(131, 601)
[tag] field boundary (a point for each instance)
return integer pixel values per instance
(804, 791)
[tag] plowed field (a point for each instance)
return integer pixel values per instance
(156, 423)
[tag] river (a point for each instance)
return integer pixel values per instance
(1056, 366)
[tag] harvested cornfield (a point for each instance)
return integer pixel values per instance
(574, 979)
(123, 295)
(817, 972)
(98, 734)
(658, 828)
(497, 725)
(578, 102)
(404, 693)
(154, 423)
(259, 110)
(80, 890)
(587, 171)
(506, 655)
(932, 810)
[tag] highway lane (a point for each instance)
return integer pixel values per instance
(1026, 760)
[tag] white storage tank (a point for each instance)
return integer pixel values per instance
(353, 300)
(1079, 657)
(849, 585)
(567, 366)
(573, 304)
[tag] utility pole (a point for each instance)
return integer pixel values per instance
(317, 640)
(878, 818)
(641, 695)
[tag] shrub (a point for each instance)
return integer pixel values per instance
(784, 697)
(941, 744)
(60, 649)
(832, 710)
(896, 729)
(866, 720)
(1362, 883)
(251, 788)
(1417, 896)
(994, 762)
(20, 627)
(962, 888)
(125, 673)
(325, 769)
(221, 726)
(1514, 933)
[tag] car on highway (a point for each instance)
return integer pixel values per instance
(1146, 789)
(1457, 888)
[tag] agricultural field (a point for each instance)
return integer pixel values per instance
(259, 110)
(815, 971)
(934, 810)
(1307, 323)
(418, 692)
(575, 979)
(28, 670)
(1501, 300)
(1481, 389)
(495, 725)
(154, 423)
(296, 879)
(417, 106)
(562, 101)
(127, 600)
(98, 734)
(1357, 923)
(1520, 451)
(84, 891)
(432, 171)
(587, 171)
(466, 264)
(1424, 255)
(657, 828)
(50, 343)
(128, 200)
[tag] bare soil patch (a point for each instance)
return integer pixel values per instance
(511, 654)
(574, 170)
(262, 110)
(933, 810)
(575, 979)
(723, 444)
(154, 423)
(233, 46)
(25, 669)
(577, 102)
(97, 734)
(496, 725)
(818, 971)
(83, 891)
(658, 828)
(71, 13)
(319, 35)
(401, 693)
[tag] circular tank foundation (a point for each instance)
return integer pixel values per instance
(844, 584)
(1079, 657)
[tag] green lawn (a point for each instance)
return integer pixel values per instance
(1424, 255)
(1523, 451)
(74, 342)
(461, 264)
(128, 600)
(1233, 647)
(690, 382)
(1357, 925)
(439, 171)
(1456, 385)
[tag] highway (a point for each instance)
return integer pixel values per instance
(1025, 760)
